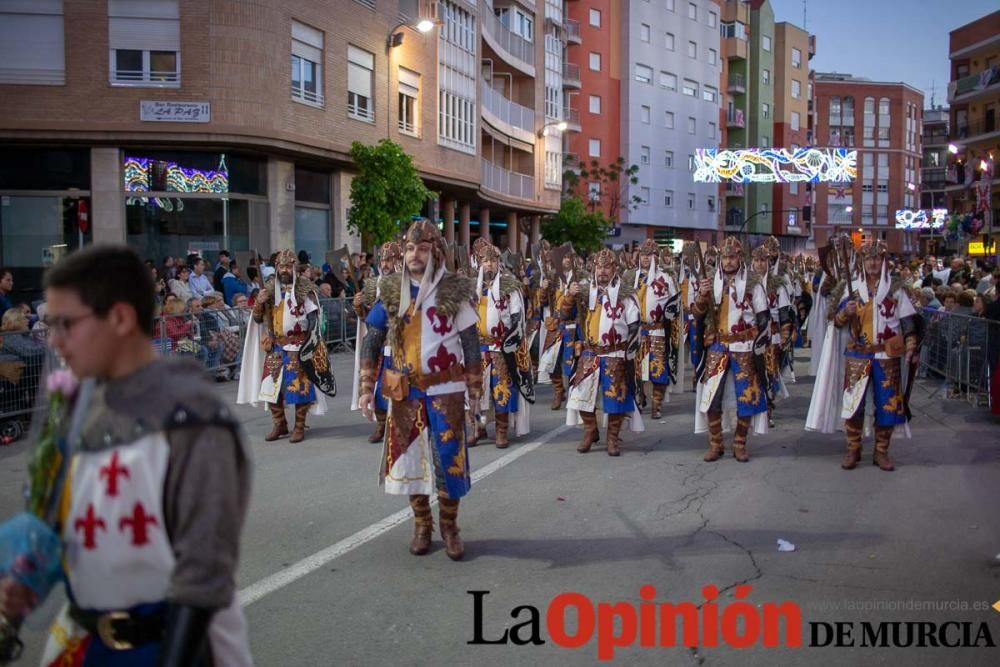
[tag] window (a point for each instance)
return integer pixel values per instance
(644, 155)
(668, 159)
(711, 130)
(595, 61)
(668, 198)
(670, 5)
(692, 199)
(643, 74)
(553, 168)
(733, 29)
(795, 120)
(644, 196)
(409, 97)
(796, 89)
(713, 57)
(307, 68)
(457, 70)
(595, 18)
(765, 42)
(796, 58)
(691, 162)
(145, 42)
(31, 43)
(594, 148)
(883, 187)
(594, 104)
(869, 132)
(765, 76)
(765, 110)
(870, 105)
(765, 141)
(360, 70)
(644, 32)
(883, 133)
(693, 50)
(644, 114)
(668, 120)
(517, 21)
(793, 188)
(594, 190)
(835, 107)
(692, 11)
(713, 19)
(710, 200)
(710, 94)
(668, 81)
(690, 88)
(669, 41)
(692, 125)
(883, 107)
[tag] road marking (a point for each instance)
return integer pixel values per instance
(296, 571)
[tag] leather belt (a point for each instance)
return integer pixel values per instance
(654, 326)
(425, 381)
(488, 340)
(741, 337)
(866, 349)
(295, 339)
(120, 630)
(604, 349)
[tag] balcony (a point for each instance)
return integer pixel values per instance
(735, 10)
(975, 85)
(976, 131)
(735, 119)
(734, 189)
(735, 48)
(514, 49)
(571, 76)
(507, 112)
(572, 118)
(573, 31)
(935, 138)
(506, 182)
(812, 46)
(933, 178)
(737, 84)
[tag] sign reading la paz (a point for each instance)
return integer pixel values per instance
(174, 112)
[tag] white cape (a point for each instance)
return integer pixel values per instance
(828, 391)
(252, 370)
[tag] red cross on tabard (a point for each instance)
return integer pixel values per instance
(111, 472)
(89, 524)
(138, 521)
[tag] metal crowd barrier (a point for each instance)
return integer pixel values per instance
(23, 359)
(960, 352)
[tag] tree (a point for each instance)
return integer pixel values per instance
(614, 181)
(386, 192)
(586, 230)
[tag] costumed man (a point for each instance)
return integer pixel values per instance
(658, 299)
(138, 491)
(560, 326)
(285, 359)
(734, 315)
(781, 326)
(506, 370)
(689, 271)
(605, 367)
(390, 262)
(426, 317)
(883, 326)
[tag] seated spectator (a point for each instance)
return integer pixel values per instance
(221, 267)
(40, 326)
(232, 284)
(200, 284)
(179, 286)
(18, 344)
(928, 299)
(253, 279)
(6, 287)
(208, 331)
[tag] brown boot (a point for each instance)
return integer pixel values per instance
(423, 524)
(590, 432)
(379, 433)
(478, 432)
(853, 428)
(740, 439)
(883, 434)
(770, 415)
(280, 428)
(559, 393)
(614, 428)
(715, 447)
(448, 519)
(659, 391)
(502, 421)
(299, 432)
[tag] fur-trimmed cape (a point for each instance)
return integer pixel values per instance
(304, 289)
(451, 292)
(712, 314)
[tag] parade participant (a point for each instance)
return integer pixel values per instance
(689, 272)
(390, 262)
(284, 356)
(426, 317)
(766, 267)
(501, 332)
(883, 326)
(561, 330)
(150, 498)
(606, 353)
(675, 329)
(658, 299)
(733, 312)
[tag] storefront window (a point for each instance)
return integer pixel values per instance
(43, 169)
(312, 232)
(179, 226)
(35, 230)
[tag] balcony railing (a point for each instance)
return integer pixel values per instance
(935, 138)
(973, 82)
(735, 119)
(573, 31)
(571, 74)
(507, 182)
(571, 116)
(506, 40)
(506, 110)
(972, 130)
(734, 189)
(737, 83)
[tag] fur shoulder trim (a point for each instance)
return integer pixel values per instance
(452, 292)
(508, 284)
(369, 291)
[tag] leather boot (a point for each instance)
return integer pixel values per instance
(883, 434)
(299, 432)
(614, 428)
(590, 432)
(448, 520)
(740, 439)
(659, 392)
(423, 524)
(853, 428)
(280, 426)
(559, 392)
(770, 415)
(478, 432)
(502, 421)
(715, 447)
(379, 433)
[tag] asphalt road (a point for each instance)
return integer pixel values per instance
(329, 581)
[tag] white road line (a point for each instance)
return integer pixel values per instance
(296, 571)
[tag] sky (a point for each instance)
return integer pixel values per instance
(886, 40)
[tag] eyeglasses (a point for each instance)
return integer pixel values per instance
(63, 325)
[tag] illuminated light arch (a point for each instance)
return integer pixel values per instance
(775, 165)
(921, 219)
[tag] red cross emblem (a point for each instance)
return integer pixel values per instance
(138, 521)
(111, 472)
(89, 524)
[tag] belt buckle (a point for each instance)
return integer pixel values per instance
(106, 630)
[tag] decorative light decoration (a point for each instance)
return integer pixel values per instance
(775, 165)
(953, 149)
(137, 173)
(921, 219)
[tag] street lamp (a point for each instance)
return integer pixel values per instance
(392, 40)
(558, 125)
